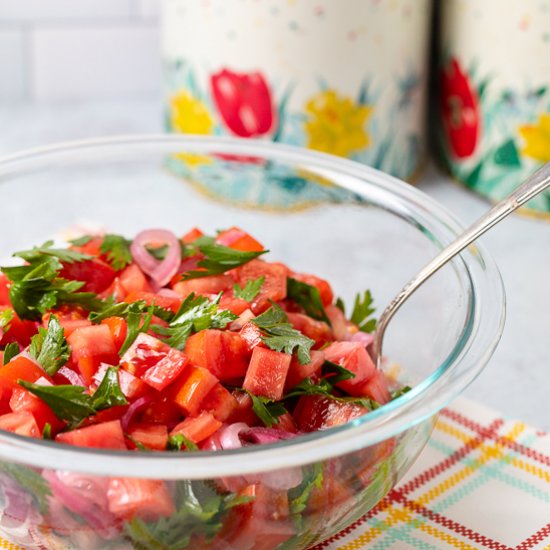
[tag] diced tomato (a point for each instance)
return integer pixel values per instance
(213, 284)
(316, 330)
(369, 459)
(114, 290)
(95, 274)
(131, 386)
(261, 524)
(192, 235)
(273, 287)
(150, 298)
(145, 352)
(316, 412)
(224, 354)
(106, 435)
(251, 335)
(91, 346)
(148, 499)
(20, 423)
(266, 374)
(376, 388)
(331, 501)
(156, 363)
(133, 279)
(340, 326)
(4, 290)
(238, 239)
(20, 331)
(162, 410)
(152, 436)
(166, 370)
(285, 424)
(5, 395)
(69, 318)
(20, 368)
(323, 286)
(118, 328)
(297, 372)
(220, 402)
(23, 400)
(198, 428)
(243, 412)
(354, 357)
(193, 386)
(106, 415)
(235, 305)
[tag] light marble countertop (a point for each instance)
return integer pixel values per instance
(517, 379)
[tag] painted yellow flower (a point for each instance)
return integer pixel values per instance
(190, 115)
(537, 138)
(336, 124)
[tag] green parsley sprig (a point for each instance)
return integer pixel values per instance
(362, 312)
(116, 249)
(37, 287)
(279, 335)
(308, 297)
(250, 289)
(218, 259)
(73, 404)
(49, 347)
(195, 313)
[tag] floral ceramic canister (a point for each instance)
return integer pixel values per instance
(343, 77)
(494, 93)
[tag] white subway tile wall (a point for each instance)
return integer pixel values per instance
(78, 49)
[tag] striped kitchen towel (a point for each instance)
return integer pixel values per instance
(482, 481)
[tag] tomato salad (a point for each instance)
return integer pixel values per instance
(182, 344)
(163, 343)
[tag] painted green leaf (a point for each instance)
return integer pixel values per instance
(507, 154)
(472, 179)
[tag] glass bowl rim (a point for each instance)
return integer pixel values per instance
(379, 425)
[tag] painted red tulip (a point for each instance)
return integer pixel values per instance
(244, 102)
(459, 110)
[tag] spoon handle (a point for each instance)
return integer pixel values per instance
(534, 184)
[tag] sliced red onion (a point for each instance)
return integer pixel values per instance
(133, 409)
(243, 318)
(161, 271)
(19, 519)
(169, 293)
(229, 437)
(261, 436)
(86, 496)
(43, 382)
(363, 337)
(62, 522)
(73, 377)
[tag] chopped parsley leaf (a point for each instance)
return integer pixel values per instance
(279, 335)
(250, 289)
(49, 347)
(218, 259)
(10, 351)
(308, 297)
(116, 249)
(362, 312)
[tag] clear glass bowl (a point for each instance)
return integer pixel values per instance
(353, 225)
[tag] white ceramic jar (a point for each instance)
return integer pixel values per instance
(346, 77)
(494, 93)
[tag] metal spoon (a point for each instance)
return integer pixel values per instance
(534, 184)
